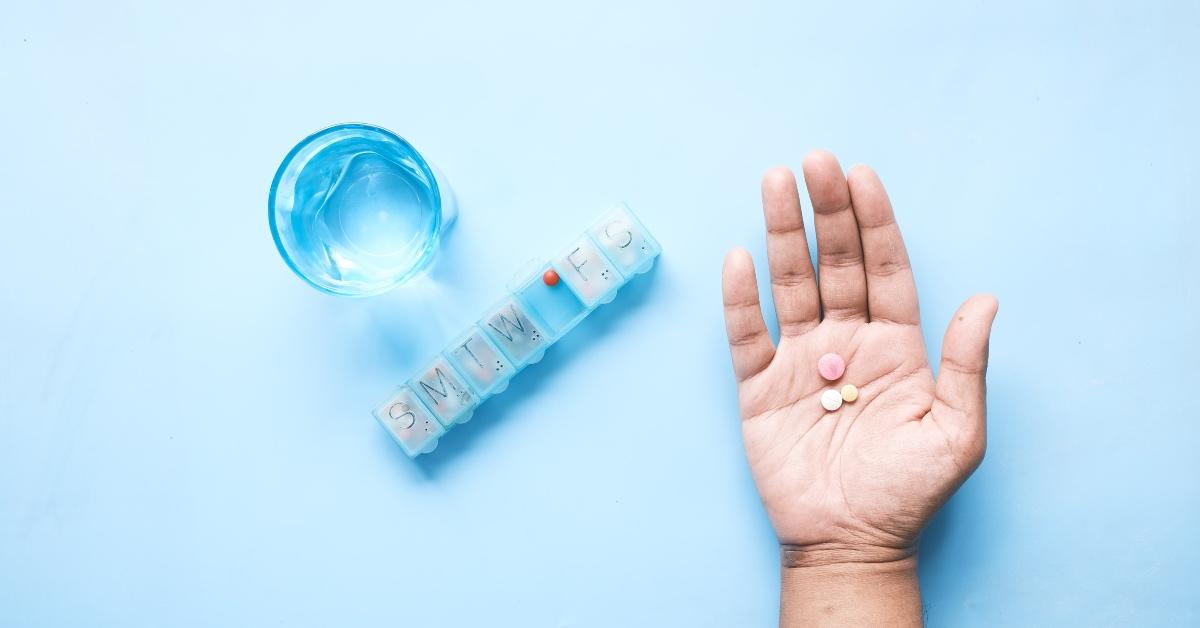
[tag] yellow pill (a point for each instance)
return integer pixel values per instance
(849, 393)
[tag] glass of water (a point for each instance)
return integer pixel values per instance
(356, 211)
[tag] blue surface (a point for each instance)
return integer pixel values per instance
(185, 435)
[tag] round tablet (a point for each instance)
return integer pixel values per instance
(831, 400)
(849, 393)
(831, 366)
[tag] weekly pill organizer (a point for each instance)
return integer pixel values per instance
(543, 303)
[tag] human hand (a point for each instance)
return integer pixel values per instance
(855, 485)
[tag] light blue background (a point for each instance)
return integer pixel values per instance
(184, 427)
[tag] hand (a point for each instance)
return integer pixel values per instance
(858, 484)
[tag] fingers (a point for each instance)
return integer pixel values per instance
(843, 282)
(959, 394)
(793, 282)
(891, 292)
(749, 344)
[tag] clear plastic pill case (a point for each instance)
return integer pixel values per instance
(542, 305)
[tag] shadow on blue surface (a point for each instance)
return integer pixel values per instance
(416, 305)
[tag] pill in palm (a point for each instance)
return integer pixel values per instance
(831, 400)
(831, 366)
(849, 393)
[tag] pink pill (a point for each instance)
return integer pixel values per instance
(831, 366)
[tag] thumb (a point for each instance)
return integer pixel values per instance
(960, 391)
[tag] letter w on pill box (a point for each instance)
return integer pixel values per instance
(516, 331)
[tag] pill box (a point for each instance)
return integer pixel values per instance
(543, 303)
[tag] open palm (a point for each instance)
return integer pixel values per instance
(859, 482)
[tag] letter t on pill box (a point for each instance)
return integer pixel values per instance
(481, 362)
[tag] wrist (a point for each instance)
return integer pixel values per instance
(849, 586)
(845, 556)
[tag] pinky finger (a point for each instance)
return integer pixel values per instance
(749, 344)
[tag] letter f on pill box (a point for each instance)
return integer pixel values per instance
(588, 272)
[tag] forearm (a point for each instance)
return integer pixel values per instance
(824, 591)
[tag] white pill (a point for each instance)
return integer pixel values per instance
(831, 399)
